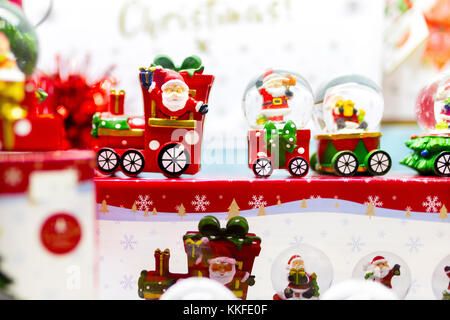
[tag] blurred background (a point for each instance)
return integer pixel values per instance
(400, 44)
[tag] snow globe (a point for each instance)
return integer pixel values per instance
(348, 112)
(431, 150)
(440, 280)
(301, 272)
(385, 268)
(277, 105)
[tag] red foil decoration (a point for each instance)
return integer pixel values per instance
(74, 97)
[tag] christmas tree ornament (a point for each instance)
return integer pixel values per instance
(431, 150)
(440, 280)
(224, 255)
(277, 106)
(348, 111)
(301, 272)
(385, 268)
(168, 137)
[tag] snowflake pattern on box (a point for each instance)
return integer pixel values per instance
(127, 282)
(374, 200)
(414, 244)
(432, 204)
(143, 202)
(200, 203)
(128, 242)
(257, 201)
(355, 244)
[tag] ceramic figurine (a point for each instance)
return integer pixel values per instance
(225, 255)
(431, 150)
(168, 137)
(386, 269)
(348, 111)
(278, 106)
(301, 272)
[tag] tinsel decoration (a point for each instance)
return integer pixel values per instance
(75, 97)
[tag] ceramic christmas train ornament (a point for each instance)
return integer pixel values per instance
(168, 137)
(431, 150)
(348, 111)
(225, 255)
(277, 105)
(23, 124)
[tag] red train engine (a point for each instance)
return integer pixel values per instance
(167, 138)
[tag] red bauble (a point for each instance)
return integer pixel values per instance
(61, 233)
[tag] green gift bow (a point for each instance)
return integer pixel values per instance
(235, 231)
(279, 139)
(190, 64)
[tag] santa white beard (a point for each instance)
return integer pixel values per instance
(222, 277)
(276, 92)
(380, 273)
(174, 102)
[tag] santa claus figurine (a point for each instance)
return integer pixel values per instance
(222, 268)
(302, 285)
(274, 89)
(446, 294)
(171, 93)
(378, 270)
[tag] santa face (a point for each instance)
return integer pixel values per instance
(174, 96)
(381, 270)
(275, 87)
(222, 272)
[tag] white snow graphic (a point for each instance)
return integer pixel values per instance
(143, 202)
(374, 200)
(200, 203)
(257, 201)
(432, 204)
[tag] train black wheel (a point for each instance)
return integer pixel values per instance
(262, 167)
(378, 163)
(345, 164)
(107, 160)
(298, 167)
(132, 162)
(173, 159)
(442, 164)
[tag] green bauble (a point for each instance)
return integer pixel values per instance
(22, 38)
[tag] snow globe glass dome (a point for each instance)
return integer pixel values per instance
(440, 279)
(386, 268)
(433, 105)
(278, 96)
(349, 104)
(18, 42)
(301, 272)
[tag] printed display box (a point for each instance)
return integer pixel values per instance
(351, 220)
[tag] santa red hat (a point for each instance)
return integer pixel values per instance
(220, 254)
(164, 77)
(447, 270)
(270, 74)
(295, 258)
(375, 261)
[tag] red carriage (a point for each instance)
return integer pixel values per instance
(161, 140)
(286, 149)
